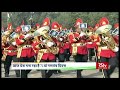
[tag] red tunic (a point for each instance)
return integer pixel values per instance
(26, 51)
(60, 46)
(80, 49)
(49, 56)
(11, 50)
(34, 44)
(107, 53)
(66, 45)
(90, 43)
(96, 40)
(45, 56)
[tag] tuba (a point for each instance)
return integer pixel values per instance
(107, 38)
(48, 41)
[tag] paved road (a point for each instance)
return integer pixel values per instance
(65, 74)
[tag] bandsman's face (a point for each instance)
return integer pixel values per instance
(24, 32)
(78, 30)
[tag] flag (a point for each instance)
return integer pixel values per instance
(9, 22)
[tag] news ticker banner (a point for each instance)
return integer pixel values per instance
(59, 65)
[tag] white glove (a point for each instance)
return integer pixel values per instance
(49, 44)
(82, 34)
(28, 35)
(116, 49)
(44, 41)
(61, 39)
(13, 43)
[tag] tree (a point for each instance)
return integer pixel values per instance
(67, 19)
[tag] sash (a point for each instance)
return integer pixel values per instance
(40, 54)
(74, 49)
(19, 49)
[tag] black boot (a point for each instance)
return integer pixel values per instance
(49, 74)
(59, 71)
(17, 73)
(6, 75)
(6, 72)
(79, 75)
(55, 72)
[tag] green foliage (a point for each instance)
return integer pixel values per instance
(66, 19)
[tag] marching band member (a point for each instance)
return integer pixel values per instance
(55, 26)
(37, 26)
(67, 47)
(97, 40)
(90, 43)
(44, 54)
(36, 40)
(78, 45)
(107, 52)
(25, 51)
(10, 53)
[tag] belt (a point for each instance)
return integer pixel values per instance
(89, 42)
(44, 51)
(105, 48)
(78, 44)
(27, 46)
(12, 51)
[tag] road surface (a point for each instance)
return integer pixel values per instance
(65, 74)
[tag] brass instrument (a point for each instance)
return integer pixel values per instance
(31, 31)
(107, 38)
(43, 31)
(53, 49)
(88, 32)
(5, 35)
(110, 42)
(5, 38)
